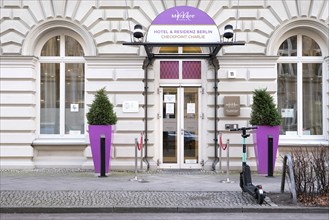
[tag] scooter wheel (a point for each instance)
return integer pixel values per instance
(260, 196)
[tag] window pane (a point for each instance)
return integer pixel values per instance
(169, 69)
(191, 121)
(169, 125)
(288, 47)
(168, 50)
(310, 47)
(72, 47)
(74, 98)
(312, 99)
(191, 70)
(191, 50)
(51, 48)
(49, 102)
(287, 97)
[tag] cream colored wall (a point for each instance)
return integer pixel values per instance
(103, 26)
(17, 111)
(123, 79)
(249, 76)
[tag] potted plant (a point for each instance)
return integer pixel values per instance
(100, 118)
(265, 116)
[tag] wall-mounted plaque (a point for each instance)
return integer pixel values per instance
(232, 105)
(130, 107)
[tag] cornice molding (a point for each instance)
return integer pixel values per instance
(18, 60)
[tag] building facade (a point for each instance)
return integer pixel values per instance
(56, 54)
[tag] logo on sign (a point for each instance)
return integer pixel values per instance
(182, 16)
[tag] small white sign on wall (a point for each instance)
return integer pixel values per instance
(130, 106)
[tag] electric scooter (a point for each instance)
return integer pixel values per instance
(245, 176)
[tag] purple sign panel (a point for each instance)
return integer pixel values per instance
(183, 24)
(184, 15)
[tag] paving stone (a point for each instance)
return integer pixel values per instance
(124, 199)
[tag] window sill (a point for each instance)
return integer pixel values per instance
(303, 142)
(60, 142)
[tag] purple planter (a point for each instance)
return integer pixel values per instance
(95, 133)
(261, 146)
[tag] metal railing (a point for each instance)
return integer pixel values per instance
(292, 186)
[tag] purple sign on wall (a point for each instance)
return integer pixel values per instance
(183, 24)
(184, 15)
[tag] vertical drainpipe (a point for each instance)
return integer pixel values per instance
(146, 63)
(215, 63)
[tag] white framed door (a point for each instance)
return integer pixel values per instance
(180, 127)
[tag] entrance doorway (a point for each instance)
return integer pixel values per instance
(180, 127)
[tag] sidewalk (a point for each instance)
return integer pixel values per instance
(58, 190)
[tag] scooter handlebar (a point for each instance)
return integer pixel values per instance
(243, 128)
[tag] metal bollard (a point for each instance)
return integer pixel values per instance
(102, 156)
(270, 156)
(227, 163)
(141, 149)
(220, 158)
(136, 155)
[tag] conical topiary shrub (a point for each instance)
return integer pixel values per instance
(265, 116)
(264, 110)
(101, 110)
(100, 118)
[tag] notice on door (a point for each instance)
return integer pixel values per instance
(170, 108)
(169, 98)
(190, 108)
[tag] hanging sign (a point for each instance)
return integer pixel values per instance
(183, 24)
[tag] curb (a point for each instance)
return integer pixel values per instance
(116, 209)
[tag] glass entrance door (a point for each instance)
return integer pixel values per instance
(180, 127)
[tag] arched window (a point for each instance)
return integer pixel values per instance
(62, 86)
(300, 86)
